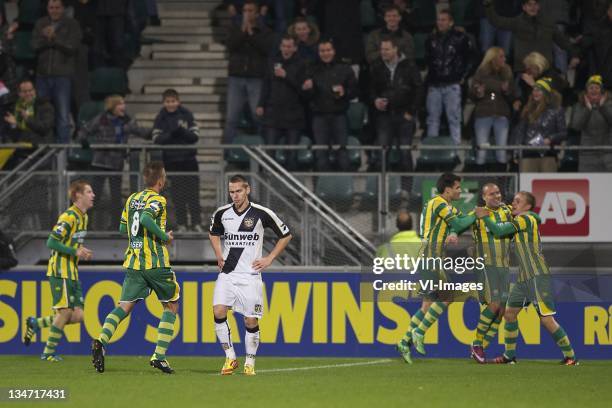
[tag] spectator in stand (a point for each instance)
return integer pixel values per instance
(396, 91)
(531, 32)
(537, 67)
(557, 12)
(542, 124)
(330, 86)
(8, 69)
(248, 44)
(448, 58)
(56, 40)
(340, 21)
(307, 36)
(492, 91)
(113, 126)
(592, 11)
(393, 29)
(175, 125)
(235, 8)
(489, 34)
(280, 105)
(110, 31)
(31, 121)
(592, 117)
(598, 38)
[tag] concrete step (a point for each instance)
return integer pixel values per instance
(176, 47)
(185, 38)
(186, 5)
(199, 116)
(187, 98)
(216, 47)
(208, 124)
(187, 89)
(188, 81)
(173, 13)
(143, 71)
(173, 64)
(186, 22)
(152, 31)
(188, 55)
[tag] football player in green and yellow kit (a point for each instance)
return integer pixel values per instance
(147, 265)
(66, 244)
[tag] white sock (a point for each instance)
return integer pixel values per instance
(224, 335)
(251, 342)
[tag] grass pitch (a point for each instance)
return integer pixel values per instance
(313, 382)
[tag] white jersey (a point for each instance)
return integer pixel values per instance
(243, 234)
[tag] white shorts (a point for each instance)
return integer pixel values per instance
(243, 292)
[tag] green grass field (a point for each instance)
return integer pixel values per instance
(314, 382)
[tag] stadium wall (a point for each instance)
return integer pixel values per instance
(305, 314)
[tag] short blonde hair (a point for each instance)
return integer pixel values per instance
(77, 186)
(111, 102)
(535, 59)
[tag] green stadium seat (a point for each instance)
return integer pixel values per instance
(370, 196)
(28, 11)
(354, 155)
(24, 53)
(106, 81)
(463, 12)
(437, 160)
(88, 111)
(238, 156)
(305, 156)
(336, 191)
(426, 14)
(355, 117)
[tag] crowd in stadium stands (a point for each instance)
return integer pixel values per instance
(526, 72)
(530, 72)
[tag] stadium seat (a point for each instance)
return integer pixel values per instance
(354, 155)
(425, 11)
(238, 156)
(24, 53)
(437, 160)
(419, 48)
(28, 11)
(88, 111)
(355, 117)
(305, 156)
(369, 198)
(463, 12)
(336, 191)
(106, 81)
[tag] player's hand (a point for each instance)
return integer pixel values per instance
(83, 253)
(452, 239)
(481, 212)
(261, 263)
(220, 263)
(170, 237)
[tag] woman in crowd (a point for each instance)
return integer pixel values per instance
(542, 124)
(492, 90)
(307, 34)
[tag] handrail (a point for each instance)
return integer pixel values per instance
(304, 191)
(25, 176)
(21, 165)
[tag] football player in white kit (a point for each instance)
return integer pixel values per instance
(239, 285)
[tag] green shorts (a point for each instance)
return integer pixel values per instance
(66, 293)
(495, 284)
(537, 290)
(139, 285)
(433, 276)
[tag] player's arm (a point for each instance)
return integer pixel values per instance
(500, 229)
(123, 228)
(455, 220)
(271, 220)
(59, 234)
(153, 208)
(214, 234)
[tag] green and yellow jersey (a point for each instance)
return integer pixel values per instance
(527, 243)
(145, 250)
(495, 251)
(70, 231)
(437, 219)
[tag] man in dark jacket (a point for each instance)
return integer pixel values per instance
(280, 104)
(598, 38)
(531, 32)
(175, 125)
(56, 40)
(395, 91)
(592, 117)
(110, 31)
(248, 44)
(448, 57)
(489, 34)
(392, 28)
(330, 86)
(32, 121)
